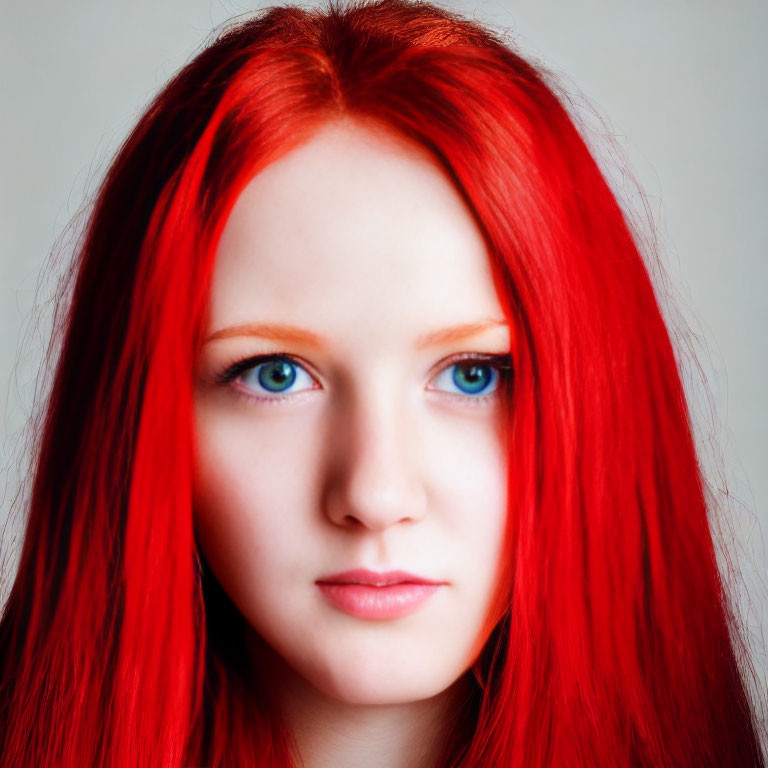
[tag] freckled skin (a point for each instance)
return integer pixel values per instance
(372, 460)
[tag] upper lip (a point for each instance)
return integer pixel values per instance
(375, 578)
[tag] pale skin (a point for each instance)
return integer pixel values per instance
(354, 256)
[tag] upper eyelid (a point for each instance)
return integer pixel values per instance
(231, 372)
(493, 357)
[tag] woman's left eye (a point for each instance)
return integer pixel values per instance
(470, 377)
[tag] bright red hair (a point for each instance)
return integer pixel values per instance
(612, 642)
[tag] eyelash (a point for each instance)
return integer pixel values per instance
(502, 365)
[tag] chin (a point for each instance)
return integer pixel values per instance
(371, 684)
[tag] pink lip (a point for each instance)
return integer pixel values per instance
(371, 595)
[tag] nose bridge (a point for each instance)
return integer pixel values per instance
(376, 481)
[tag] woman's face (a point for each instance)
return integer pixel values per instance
(372, 443)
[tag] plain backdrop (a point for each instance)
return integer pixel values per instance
(681, 88)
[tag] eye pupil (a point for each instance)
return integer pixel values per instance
(277, 375)
(471, 377)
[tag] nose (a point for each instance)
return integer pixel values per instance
(374, 479)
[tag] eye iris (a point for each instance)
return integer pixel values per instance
(471, 377)
(276, 376)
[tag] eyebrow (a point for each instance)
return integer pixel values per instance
(292, 334)
(273, 331)
(457, 333)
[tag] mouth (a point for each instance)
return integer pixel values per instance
(377, 595)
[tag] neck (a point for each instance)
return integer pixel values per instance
(327, 731)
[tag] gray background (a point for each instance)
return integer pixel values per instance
(680, 84)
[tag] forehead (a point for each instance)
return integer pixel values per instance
(356, 226)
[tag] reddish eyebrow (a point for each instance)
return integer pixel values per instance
(457, 333)
(275, 332)
(292, 334)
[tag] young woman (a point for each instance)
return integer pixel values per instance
(367, 444)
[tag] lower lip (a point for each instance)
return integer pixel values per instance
(370, 602)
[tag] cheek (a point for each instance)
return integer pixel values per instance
(251, 496)
(468, 467)
(469, 481)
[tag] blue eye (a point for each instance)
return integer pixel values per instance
(472, 377)
(274, 376)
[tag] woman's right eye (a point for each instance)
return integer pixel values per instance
(270, 377)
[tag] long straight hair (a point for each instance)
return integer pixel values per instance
(612, 640)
